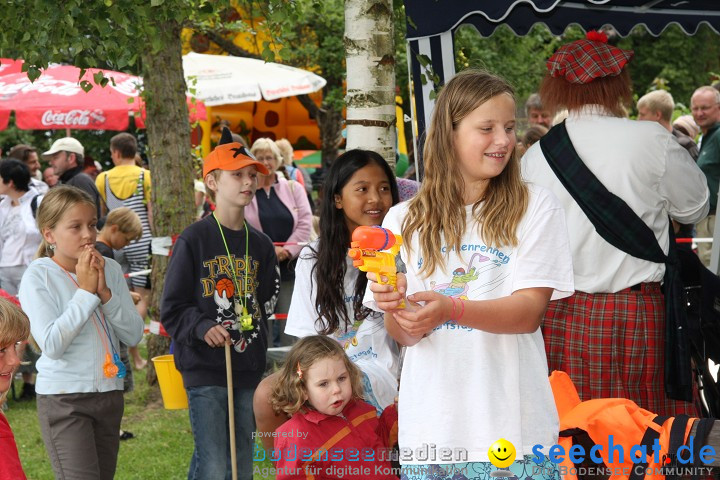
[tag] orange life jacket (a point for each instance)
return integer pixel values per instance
(591, 423)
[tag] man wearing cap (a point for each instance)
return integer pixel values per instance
(705, 107)
(609, 336)
(221, 286)
(28, 155)
(66, 159)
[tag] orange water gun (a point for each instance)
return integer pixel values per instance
(367, 251)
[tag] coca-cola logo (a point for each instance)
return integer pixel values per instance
(73, 118)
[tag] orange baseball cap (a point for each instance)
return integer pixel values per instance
(231, 156)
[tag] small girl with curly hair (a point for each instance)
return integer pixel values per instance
(332, 432)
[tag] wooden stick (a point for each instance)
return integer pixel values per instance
(231, 410)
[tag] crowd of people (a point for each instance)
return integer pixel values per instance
(520, 255)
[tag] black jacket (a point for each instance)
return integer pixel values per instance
(199, 293)
(77, 178)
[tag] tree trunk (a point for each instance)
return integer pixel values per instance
(330, 123)
(370, 59)
(171, 166)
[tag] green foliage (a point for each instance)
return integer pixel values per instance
(110, 34)
(520, 60)
(309, 35)
(673, 61)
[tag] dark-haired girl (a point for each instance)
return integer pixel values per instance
(359, 190)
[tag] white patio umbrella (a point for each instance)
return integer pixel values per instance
(222, 79)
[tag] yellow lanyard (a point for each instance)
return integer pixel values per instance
(240, 301)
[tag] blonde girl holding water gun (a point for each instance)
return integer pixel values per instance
(484, 254)
(359, 190)
(80, 309)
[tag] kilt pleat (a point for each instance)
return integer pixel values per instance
(612, 346)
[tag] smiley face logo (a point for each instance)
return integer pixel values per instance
(502, 453)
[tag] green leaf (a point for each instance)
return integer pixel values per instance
(98, 78)
(33, 73)
(86, 86)
(156, 3)
(108, 3)
(410, 21)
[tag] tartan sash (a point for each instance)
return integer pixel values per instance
(616, 222)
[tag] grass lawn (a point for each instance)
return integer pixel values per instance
(161, 449)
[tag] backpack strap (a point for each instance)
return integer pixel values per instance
(648, 439)
(620, 226)
(677, 440)
(582, 437)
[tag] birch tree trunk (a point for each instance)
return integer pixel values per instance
(370, 60)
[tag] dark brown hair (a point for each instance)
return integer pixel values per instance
(125, 143)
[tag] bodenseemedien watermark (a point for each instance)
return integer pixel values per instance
(426, 453)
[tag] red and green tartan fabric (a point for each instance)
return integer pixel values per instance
(612, 345)
(618, 225)
(582, 61)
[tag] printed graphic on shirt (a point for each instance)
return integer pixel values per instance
(484, 272)
(242, 323)
(349, 337)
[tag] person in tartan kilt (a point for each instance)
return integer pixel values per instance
(610, 335)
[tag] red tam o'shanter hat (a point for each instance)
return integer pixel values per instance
(582, 61)
(229, 155)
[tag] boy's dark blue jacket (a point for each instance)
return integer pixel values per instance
(199, 293)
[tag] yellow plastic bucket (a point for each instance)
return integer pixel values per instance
(171, 383)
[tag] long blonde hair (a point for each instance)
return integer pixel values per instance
(14, 327)
(52, 208)
(437, 212)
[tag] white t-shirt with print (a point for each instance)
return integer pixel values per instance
(367, 343)
(463, 388)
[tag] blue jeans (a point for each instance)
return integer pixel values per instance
(209, 422)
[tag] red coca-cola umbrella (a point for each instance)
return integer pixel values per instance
(56, 100)
(8, 66)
